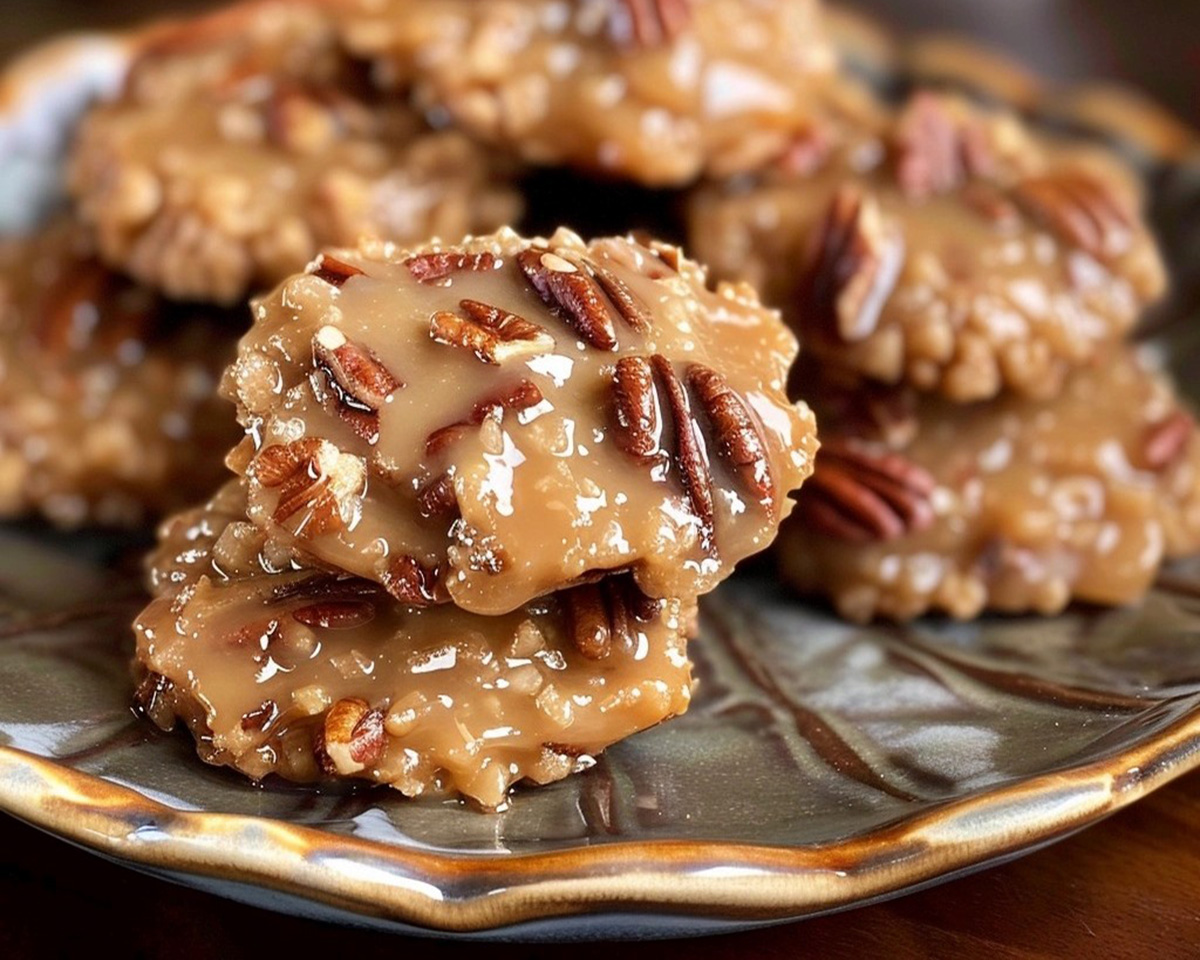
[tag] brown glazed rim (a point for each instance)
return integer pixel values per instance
(714, 879)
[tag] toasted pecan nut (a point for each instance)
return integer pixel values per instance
(857, 493)
(352, 737)
(851, 266)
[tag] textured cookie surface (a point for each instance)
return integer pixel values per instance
(312, 675)
(657, 91)
(948, 247)
(491, 422)
(244, 142)
(1013, 505)
(108, 406)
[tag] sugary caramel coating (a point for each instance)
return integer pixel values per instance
(490, 422)
(658, 91)
(1012, 505)
(108, 406)
(243, 143)
(308, 674)
(948, 248)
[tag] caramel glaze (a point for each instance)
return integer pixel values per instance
(1033, 503)
(307, 674)
(947, 247)
(381, 443)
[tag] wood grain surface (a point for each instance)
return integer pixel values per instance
(1126, 888)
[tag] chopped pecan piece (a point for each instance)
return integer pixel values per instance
(335, 272)
(859, 494)
(1166, 440)
(431, 267)
(652, 23)
(359, 382)
(335, 614)
(492, 334)
(691, 456)
(604, 612)
(851, 266)
(437, 498)
(314, 478)
(936, 150)
(352, 737)
(413, 583)
(737, 432)
(520, 396)
(573, 290)
(1082, 209)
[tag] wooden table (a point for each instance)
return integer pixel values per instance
(1126, 888)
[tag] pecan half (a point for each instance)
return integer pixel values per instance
(359, 382)
(690, 454)
(738, 435)
(352, 737)
(604, 612)
(638, 421)
(851, 265)
(859, 494)
(652, 23)
(413, 583)
(628, 305)
(314, 478)
(1082, 209)
(431, 267)
(573, 291)
(492, 334)
(938, 149)
(333, 271)
(1164, 442)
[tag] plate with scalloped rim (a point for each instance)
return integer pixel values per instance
(821, 766)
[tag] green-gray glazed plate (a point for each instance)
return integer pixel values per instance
(821, 766)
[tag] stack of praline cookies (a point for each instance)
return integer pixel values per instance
(964, 288)
(482, 483)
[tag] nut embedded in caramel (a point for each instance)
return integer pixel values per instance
(495, 421)
(309, 674)
(1014, 504)
(243, 143)
(947, 248)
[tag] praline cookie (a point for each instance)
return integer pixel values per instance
(1012, 505)
(244, 142)
(496, 420)
(310, 674)
(656, 91)
(108, 406)
(949, 248)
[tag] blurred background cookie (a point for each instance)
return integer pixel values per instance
(108, 406)
(242, 143)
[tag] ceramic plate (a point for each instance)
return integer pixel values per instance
(821, 766)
